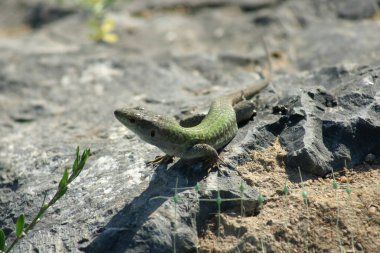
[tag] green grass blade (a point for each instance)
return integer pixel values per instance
(2, 240)
(20, 223)
(65, 178)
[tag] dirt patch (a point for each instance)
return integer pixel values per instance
(315, 215)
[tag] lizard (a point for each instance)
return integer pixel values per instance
(215, 131)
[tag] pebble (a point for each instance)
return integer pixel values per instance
(370, 158)
(359, 246)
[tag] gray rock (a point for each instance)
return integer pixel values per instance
(58, 90)
(198, 4)
(324, 130)
(370, 158)
(351, 9)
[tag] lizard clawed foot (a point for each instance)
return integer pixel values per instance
(216, 162)
(158, 160)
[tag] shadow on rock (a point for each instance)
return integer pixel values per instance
(149, 220)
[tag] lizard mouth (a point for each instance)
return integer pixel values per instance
(134, 119)
(124, 117)
(117, 113)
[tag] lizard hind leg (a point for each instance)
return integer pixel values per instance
(244, 110)
(205, 150)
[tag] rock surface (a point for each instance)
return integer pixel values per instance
(58, 90)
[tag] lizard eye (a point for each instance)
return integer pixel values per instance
(132, 120)
(152, 133)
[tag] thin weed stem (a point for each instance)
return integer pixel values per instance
(305, 200)
(286, 192)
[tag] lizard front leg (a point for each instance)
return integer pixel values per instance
(158, 160)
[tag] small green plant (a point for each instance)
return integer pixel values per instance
(66, 179)
(219, 200)
(242, 210)
(260, 200)
(102, 28)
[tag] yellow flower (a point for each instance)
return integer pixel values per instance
(110, 38)
(107, 26)
(106, 30)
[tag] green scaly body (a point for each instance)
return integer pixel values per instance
(217, 129)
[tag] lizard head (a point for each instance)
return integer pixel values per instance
(149, 126)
